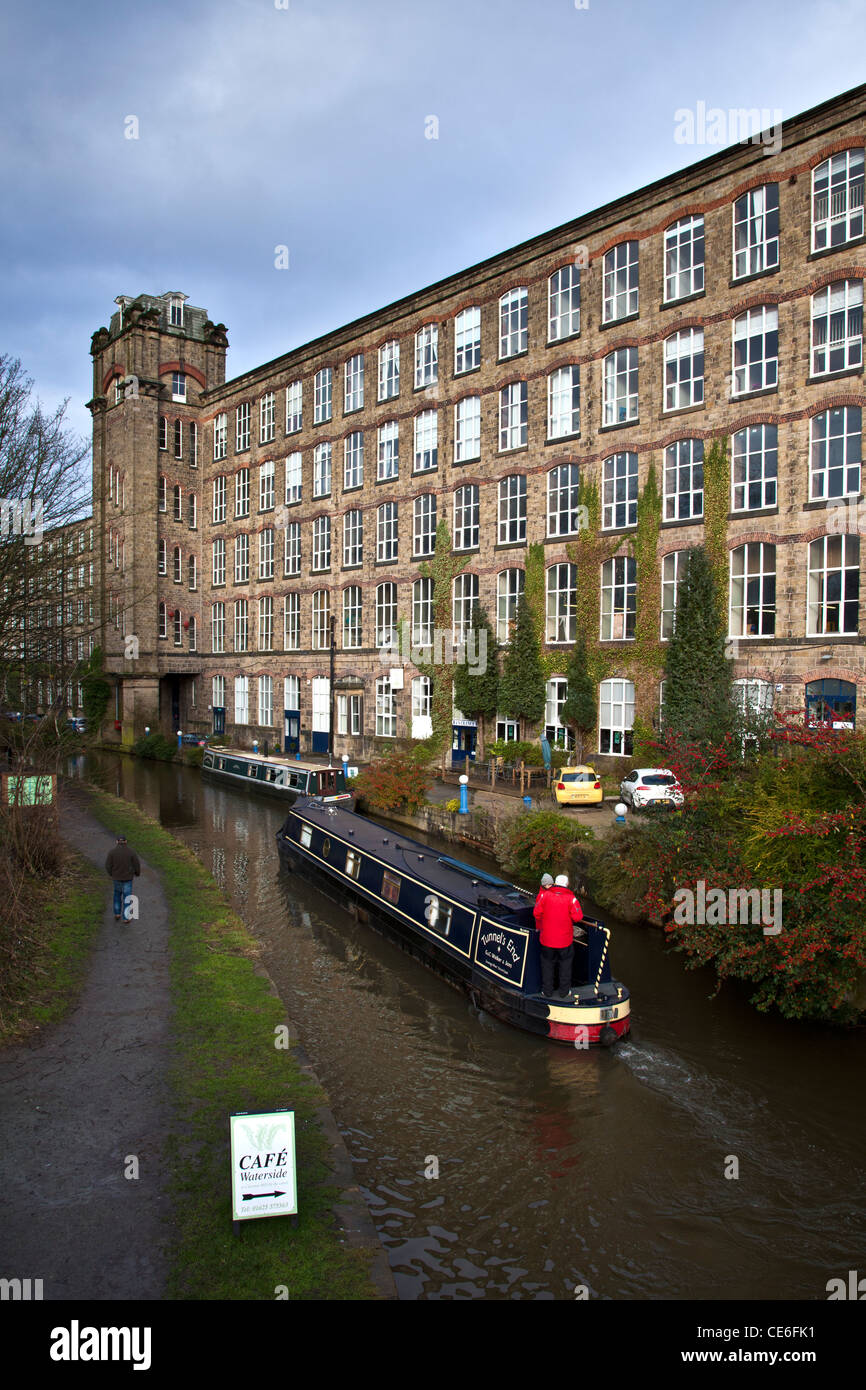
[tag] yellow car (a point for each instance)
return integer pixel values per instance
(578, 786)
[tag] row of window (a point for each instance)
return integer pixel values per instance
(837, 218)
(177, 502)
(833, 602)
(179, 625)
(180, 431)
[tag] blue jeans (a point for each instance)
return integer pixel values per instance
(122, 890)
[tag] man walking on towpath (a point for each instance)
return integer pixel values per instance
(122, 864)
(556, 909)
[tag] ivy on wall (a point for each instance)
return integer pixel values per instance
(716, 497)
(442, 568)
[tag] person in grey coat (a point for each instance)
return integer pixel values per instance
(122, 864)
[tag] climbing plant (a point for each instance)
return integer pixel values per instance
(716, 498)
(442, 568)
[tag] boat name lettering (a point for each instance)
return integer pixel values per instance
(501, 940)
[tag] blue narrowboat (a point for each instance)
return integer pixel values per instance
(283, 777)
(476, 930)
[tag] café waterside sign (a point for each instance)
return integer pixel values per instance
(264, 1175)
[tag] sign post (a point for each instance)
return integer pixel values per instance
(264, 1177)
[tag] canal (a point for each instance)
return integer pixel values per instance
(556, 1168)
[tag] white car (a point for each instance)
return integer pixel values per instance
(645, 785)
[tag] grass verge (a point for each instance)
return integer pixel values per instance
(224, 1027)
(47, 950)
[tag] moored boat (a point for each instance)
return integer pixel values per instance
(474, 929)
(283, 777)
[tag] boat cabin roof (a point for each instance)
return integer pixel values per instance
(271, 758)
(451, 877)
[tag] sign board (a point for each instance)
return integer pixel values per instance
(28, 791)
(264, 1180)
(502, 950)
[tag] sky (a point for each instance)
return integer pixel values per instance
(385, 145)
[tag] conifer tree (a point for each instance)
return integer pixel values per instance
(698, 698)
(579, 709)
(476, 686)
(521, 688)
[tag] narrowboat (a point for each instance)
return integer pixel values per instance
(283, 777)
(474, 929)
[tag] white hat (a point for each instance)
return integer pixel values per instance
(546, 880)
(562, 880)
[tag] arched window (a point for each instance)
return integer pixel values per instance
(616, 717)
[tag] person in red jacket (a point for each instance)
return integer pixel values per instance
(556, 910)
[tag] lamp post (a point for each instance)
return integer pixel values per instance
(619, 811)
(179, 740)
(464, 794)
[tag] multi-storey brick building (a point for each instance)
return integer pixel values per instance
(258, 517)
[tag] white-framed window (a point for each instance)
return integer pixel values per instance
(618, 598)
(242, 699)
(752, 605)
(349, 723)
(514, 322)
(555, 731)
(266, 486)
(218, 692)
(672, 564)
(754, 701)
(242, 492)
(220, 435)
(266, 628)
(513, 416)
(178, 386)
(178, 442)
(192, 428)
(388, 459)
(563, 500)
(294, 475)
(322, 543)
(193, 645)
(837, 199)
(353, 460)
(616, 717)
(684, 480)
(178, 565)
(467, 429)
(241, 625)
(620, 281)
(161, 567)
(754, 468)
(619, 491)
(322, 389)
(684, 369)
(756, 231)
(192, 572)
(353, 377)
(834, 586)
(321, 620)
(464, 599)
(177, 495)
(563, 303)
(292, 626)
(561, 607)
(422, 707)
(353, 538)
(426, 356)
(386, 614)
(294, 407)
(509, 586)
(424, 525)
(512, 510)
(178, 628)
(192, 511)
(684, 258)
(756, 350)
(219, 499)
(426, 441)
(292, 549)
(322, 470)
(266, 700)
(422, 612)
(389, 371)
(163, 432)
(467, 340)
(467, 517)
(266, 553)
(835, 453)
(242, 427)
(620, 386)
(242, 558)
(563, 402)
(353, 615)
(386, 532)
(218, 627)
(386, 709)
(175, 311)
(837, 327)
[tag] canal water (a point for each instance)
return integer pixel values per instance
(556, 1168)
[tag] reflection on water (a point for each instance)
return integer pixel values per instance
(555, 1167)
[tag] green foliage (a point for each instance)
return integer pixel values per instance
(155, 746)
(96, 692)
(521, 688)
(453, 805)
(698, 702)
(516, 752)
(396, 781)
(537, 842)
(579, 709)
(442, 568)
(476, 693)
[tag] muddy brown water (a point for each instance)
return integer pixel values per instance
(556, 1168)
